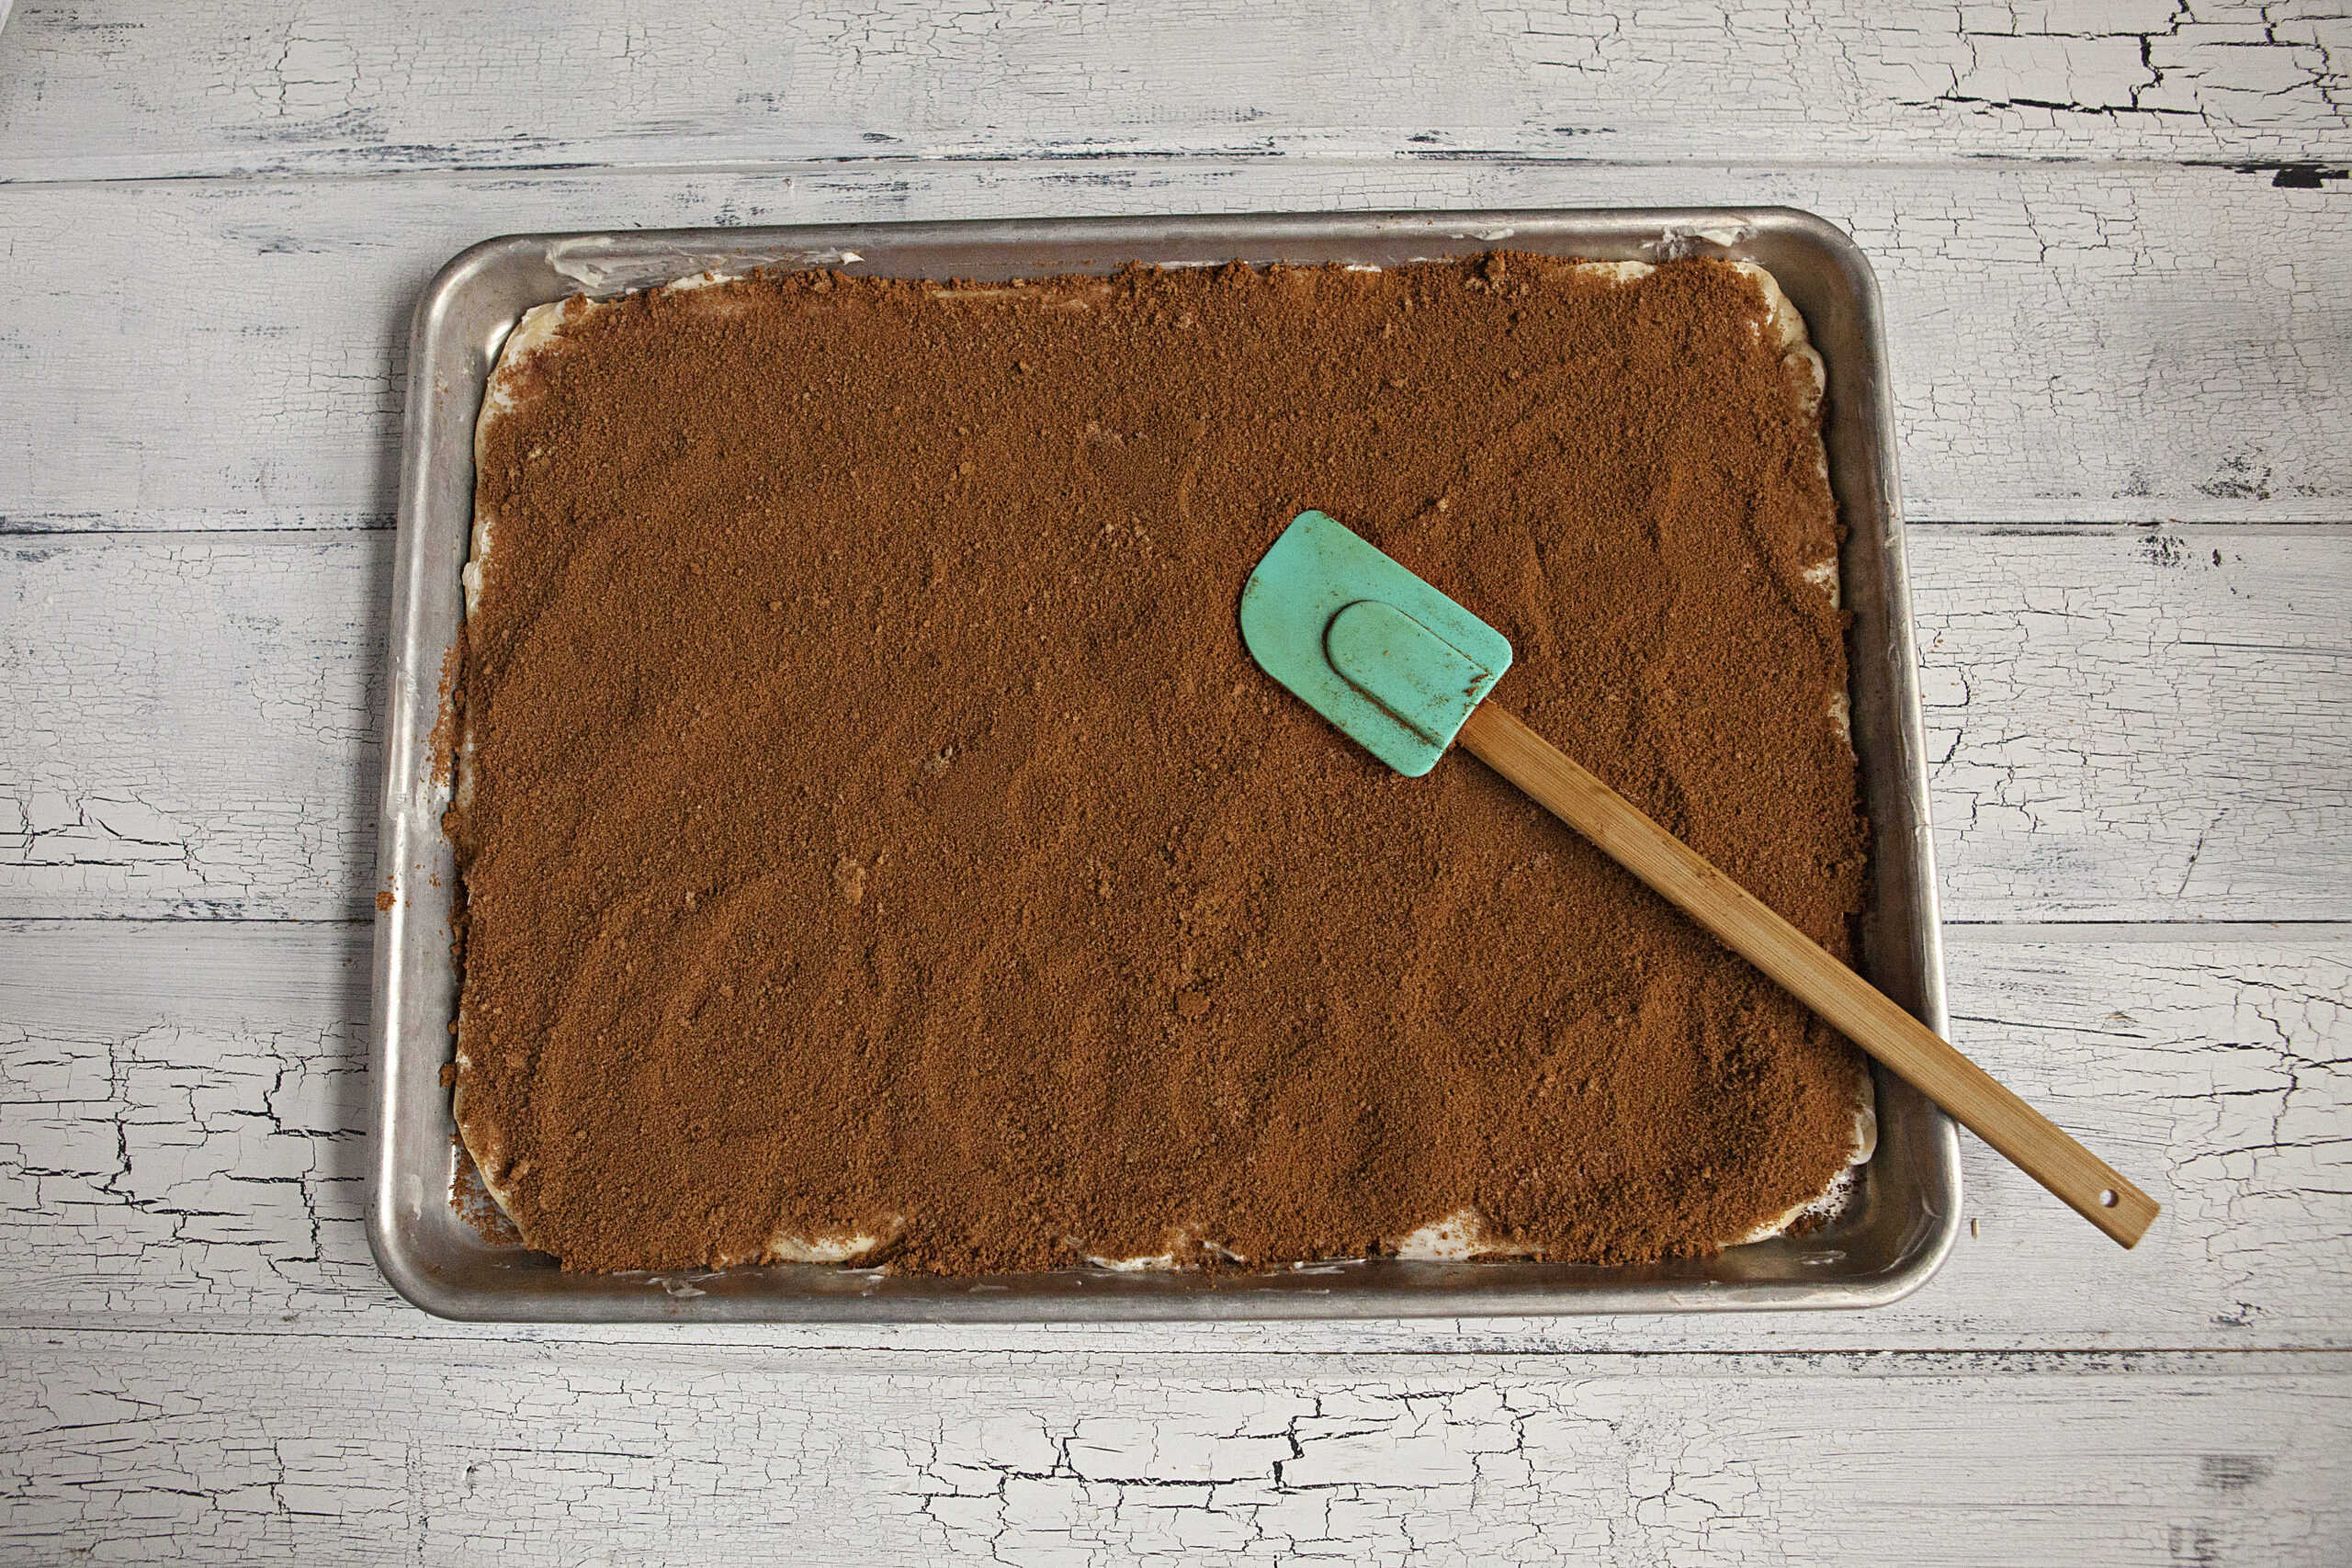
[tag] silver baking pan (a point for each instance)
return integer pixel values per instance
(1888, 1241)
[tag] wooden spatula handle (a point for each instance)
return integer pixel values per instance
(1842, 999)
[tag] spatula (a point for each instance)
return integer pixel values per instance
(1403, 672)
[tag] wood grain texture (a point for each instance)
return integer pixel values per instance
(2123, 707)
(183, 1149)
(210, 88)
(137, 1448)
(2120, 727)
(231, 354)
(192, 727)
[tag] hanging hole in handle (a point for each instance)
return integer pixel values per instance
(2106, 1198)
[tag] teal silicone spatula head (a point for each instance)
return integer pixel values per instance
(1392, 661)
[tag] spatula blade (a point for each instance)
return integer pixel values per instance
(1395, 664)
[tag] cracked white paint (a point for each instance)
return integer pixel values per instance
(191, 726)
(2169, 710)
(208, 87)
(197, 1129)
(126, 1446)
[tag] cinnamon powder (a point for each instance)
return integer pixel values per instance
(879, 825)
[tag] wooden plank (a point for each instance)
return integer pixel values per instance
(213, 87)
(212, 1448)
(193, 725)
(2162, 712)
(232, 355)
(2121, 726)
(183, 1148)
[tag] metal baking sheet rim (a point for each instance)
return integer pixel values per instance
(1892, 1241)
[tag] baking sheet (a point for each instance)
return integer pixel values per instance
(1888, 1241)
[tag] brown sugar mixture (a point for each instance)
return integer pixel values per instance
(873, 826)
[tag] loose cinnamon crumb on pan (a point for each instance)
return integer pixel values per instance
(442, 743)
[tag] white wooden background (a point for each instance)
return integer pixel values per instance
(2115, 243)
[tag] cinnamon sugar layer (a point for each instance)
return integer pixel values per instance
(873, 827)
